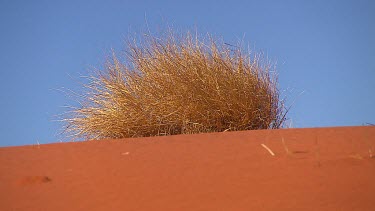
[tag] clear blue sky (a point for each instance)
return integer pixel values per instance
(324, 48)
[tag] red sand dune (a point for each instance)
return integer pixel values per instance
(313, 169)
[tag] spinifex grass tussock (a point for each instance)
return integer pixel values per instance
(178, 85)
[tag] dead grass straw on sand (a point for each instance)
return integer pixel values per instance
(178, 85)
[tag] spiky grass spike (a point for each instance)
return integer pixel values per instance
(178, 85)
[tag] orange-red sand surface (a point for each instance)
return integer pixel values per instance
(311, 169)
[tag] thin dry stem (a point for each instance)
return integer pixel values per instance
(178, 85)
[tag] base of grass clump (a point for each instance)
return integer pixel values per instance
(178, 85)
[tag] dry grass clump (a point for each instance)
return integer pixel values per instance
(178, 85)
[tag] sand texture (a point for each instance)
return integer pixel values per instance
(287, 169)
